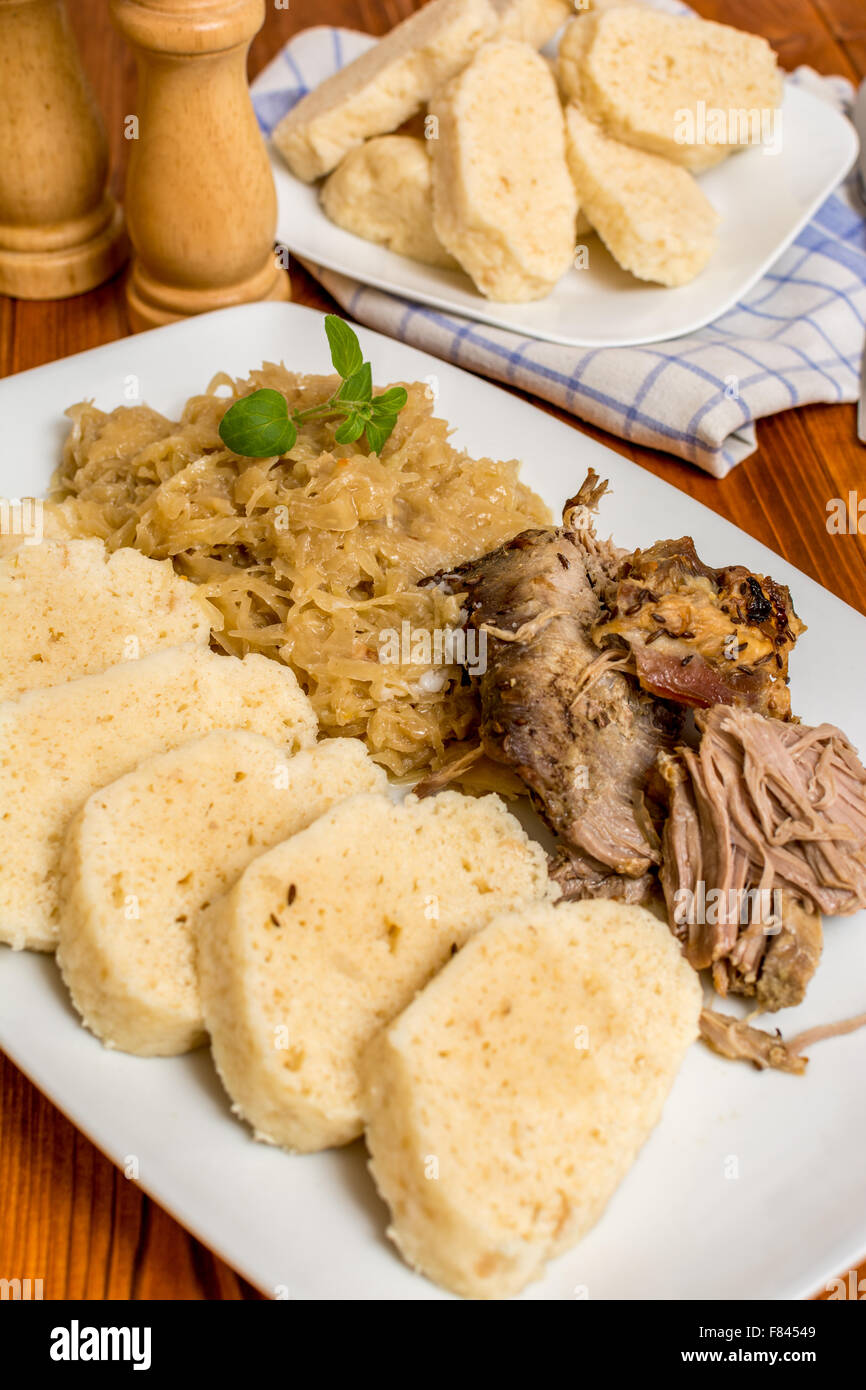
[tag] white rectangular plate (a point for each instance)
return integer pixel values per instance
(764, 201)
(752, 1185)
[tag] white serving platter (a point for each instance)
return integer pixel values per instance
(751, 1187)
(764, 200)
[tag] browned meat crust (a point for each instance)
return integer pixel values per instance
(791, 958)
(582, 736)
(767, 824)
(702, 636)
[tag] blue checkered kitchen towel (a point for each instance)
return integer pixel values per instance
(796, 338)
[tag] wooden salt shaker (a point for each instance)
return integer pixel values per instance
(200, 201)
(61, 231)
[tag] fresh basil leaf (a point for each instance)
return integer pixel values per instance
(392, 401)
(258, 426)
(378, 431)
(351, 429)
(359, 386)
(346, 353)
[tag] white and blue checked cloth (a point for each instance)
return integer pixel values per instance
(795, 339)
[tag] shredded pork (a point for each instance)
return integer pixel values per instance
(740, 1041)
(770, 815)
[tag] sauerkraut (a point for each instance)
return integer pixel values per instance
(312, 559)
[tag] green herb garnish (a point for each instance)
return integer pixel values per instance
(260, 426)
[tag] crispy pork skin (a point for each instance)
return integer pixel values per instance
(702, 636)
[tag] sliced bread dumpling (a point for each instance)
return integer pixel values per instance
(652, 215)
(69, 608)
(508, 1101)
(531, 21)
(28, 521)
(583, 226)
(384, 86)
(574, 45)
(504, 203)
(325, 938)
(652, 79)
(149, 853)
(58, 746)
(383, 191)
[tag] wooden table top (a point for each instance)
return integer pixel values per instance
(66, 1214)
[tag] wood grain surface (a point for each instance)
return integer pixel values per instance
(67, 1215)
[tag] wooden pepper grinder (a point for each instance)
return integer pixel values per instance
(200, 201)
(61, 231)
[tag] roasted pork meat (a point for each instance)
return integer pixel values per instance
(580, 878)
(791, 957)
(766, 829)
(698, 635)
(591, 656)
(581, 736)
(739, 1041)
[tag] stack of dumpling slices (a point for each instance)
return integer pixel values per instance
(208, 872)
